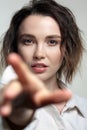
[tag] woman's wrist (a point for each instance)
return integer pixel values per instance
(13, 126)
(20, 119)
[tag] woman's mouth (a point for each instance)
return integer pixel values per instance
(39, 67)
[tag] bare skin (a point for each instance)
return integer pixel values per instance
(27, 83)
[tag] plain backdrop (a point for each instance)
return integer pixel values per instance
(79, 8)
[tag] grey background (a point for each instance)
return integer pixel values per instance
(79, 8)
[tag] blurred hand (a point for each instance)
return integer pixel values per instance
(30, 85)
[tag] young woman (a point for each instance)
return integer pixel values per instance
(42, 45)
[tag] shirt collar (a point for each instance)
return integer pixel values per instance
(79, 103)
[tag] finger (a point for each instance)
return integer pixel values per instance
(19, 66)
(12, 90)
(9, 92)
(6, 109)
(47, 97)
(30, 81)
(59, 96)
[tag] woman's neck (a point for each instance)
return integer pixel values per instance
(51, 84)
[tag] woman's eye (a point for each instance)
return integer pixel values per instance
(53, 42)
(27, 41)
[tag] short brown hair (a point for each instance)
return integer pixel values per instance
(71, 38)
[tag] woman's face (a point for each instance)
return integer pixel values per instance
(39, 45)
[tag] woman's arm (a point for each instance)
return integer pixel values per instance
(26, 84)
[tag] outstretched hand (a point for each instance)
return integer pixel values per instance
(28, 83)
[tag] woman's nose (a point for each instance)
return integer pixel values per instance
(39, 52)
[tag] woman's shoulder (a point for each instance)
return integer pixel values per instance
(81, 103)
(81, 100)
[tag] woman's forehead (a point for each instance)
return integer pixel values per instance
(40, 23)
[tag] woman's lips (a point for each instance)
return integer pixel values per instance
(39, 67)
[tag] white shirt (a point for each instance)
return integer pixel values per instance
(73, 116)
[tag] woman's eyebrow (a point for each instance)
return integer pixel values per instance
(54, 36)
(32, 36)
(26, 36)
